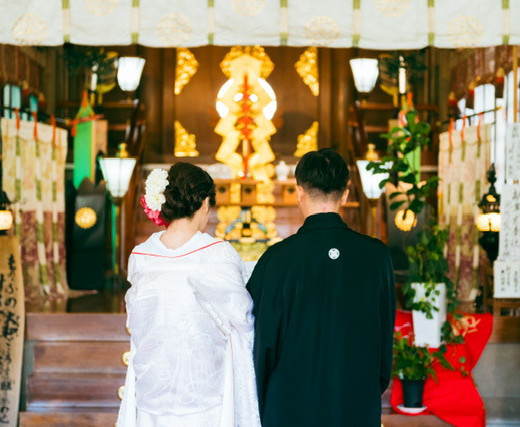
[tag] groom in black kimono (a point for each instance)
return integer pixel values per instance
(324, 304)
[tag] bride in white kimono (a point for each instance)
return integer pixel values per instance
(189, 316)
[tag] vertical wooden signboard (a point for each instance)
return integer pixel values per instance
(12, 323)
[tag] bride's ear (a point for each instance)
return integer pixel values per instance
(205, 204)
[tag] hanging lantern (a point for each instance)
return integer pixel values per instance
(365, 72)
(6, 216)
(489, 220)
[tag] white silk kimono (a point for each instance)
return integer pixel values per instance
(189, 315)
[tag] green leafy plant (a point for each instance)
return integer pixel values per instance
(402, 141)
(412, 362)
(428, 264)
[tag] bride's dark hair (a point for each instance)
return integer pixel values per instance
(188, 186)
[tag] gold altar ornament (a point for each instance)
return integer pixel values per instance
(85, 217)
(307, 141)
(186, 67)
(246, 104)
(256, 52)
(185, 145)
(307, 69)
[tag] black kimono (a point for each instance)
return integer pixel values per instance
(324, 303)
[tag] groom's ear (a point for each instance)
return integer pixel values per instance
(299, 193)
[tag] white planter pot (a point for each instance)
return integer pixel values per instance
(428, 331)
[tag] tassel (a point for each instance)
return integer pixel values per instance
(453, 106)
(470, 96)
(499, 82)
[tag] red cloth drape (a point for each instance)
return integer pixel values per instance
(454, 398)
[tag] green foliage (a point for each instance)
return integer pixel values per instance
(82, 58)
(428, 264)
(415, 363)
(402, 141)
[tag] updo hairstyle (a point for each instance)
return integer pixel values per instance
(188, 186)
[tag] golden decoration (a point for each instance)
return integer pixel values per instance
(392, 8)
(121, 392)
(174, 29)
(228, 213)
(259, 222)
(250, 251)
(85, 217)
(100, 7)
(465, 31)
(307, 141)
(185, 145)
(464, 326)
(125, 358)
(256, 52)
(186, 67)
(107, 81)
(247, 7)
(307, 69)
(29, 29)
(246, 64)
(234, 192)
(405, 220)
(264, 189)
(321, 30)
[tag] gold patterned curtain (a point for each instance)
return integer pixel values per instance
(464, 158)
(33, 176)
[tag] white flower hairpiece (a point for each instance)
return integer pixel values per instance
(155, 185)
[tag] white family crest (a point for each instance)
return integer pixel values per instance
(333, 253)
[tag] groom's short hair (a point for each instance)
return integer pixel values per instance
(322, 173)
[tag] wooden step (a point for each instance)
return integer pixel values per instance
(80, 356)
(67, 419)
(398, 420)
(76, 327)
(50, 391)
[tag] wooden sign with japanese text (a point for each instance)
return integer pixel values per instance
(507, 266)
(513, 152)
(12, 321)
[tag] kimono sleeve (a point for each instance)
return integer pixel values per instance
(222, 287)
(268, 323)
(387, 317)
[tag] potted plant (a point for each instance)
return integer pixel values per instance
(413, 365)
(428, 291)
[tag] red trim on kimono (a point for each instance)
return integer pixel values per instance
(178, 256)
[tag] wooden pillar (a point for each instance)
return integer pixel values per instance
(168, 101)
(152, 96)
(324, 102)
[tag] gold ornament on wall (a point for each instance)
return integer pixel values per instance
(186, 67)
(307, 69)
(307, 141)
(85, 217)
(185, 145)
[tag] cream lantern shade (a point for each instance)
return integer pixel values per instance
(365, 72)
(129, 70)
(117, 172)
(370, 181)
